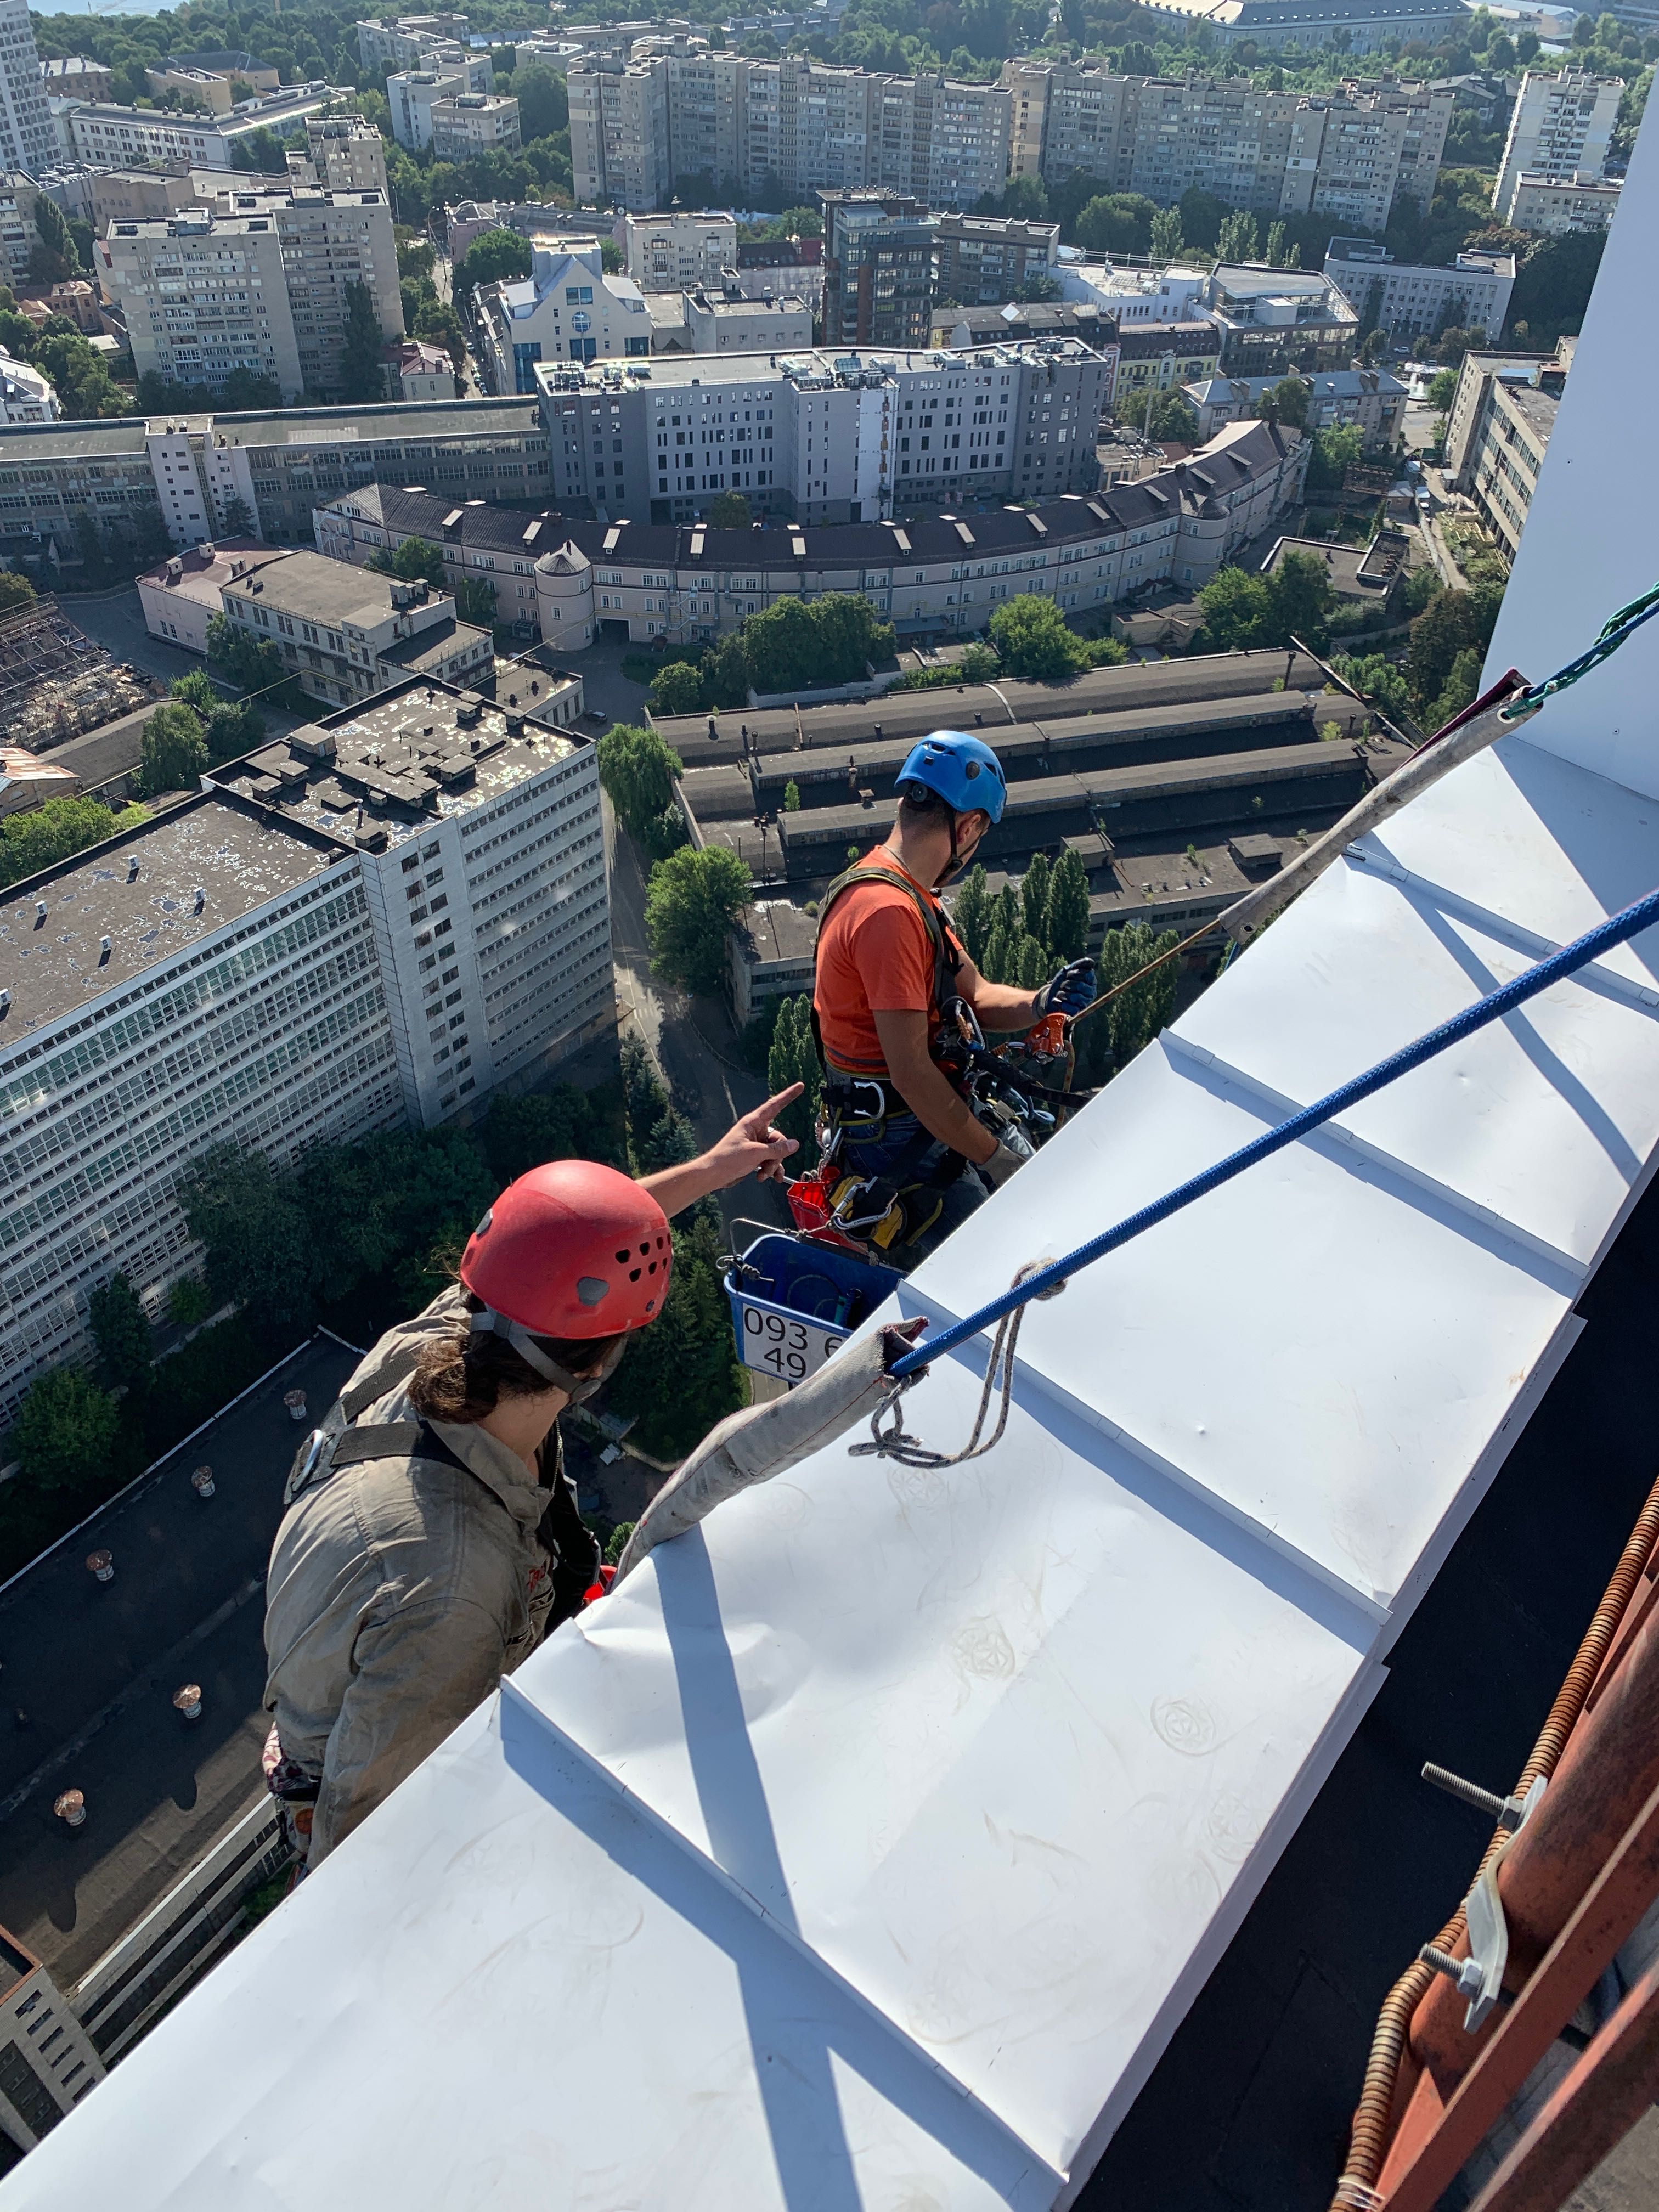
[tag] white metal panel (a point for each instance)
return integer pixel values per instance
(513, 1989)
(946, 1725)
(1342, 1429)
(1588, 546)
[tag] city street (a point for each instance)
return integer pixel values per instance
(93, 1667)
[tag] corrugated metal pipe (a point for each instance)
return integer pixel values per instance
(1373, 2121)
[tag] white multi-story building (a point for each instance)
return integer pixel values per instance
(400, 45)
(1551, 207)
(1352, 154)
(677, 251)
(566, 309)
(1134, 298)
(1409, 300)
(368, 924)
(261, 285)
(1559, 133)
(348, 639)
(795, 124)
(128, 137)
(823, 437)
(942, 575)
(27, 138)
(469, 124)
(412, 94)
(47, 2061)
(25, 396)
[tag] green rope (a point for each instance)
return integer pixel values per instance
(1611, 637)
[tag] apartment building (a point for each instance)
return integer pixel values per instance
(1158, 357)
(1559, 133)
(400, 44)
(638, 128)
(878, 268)
(261, 285)
(413, 94)
(731, 320)
(345, 154)
(1478, 380)
(566, 309)
(933, 574)
(472, 123)
(677, 252)
(1358, 25)
(344, 644)
(27, 138)
(1368, 398)
(1509, 444)
(1551, 207)
(1351, 153)
(73, 77)
(257, 474)
(25, 396)
(826, 437)
(47, 2061)
(979, 260)
(1408, 299)
(249, 968)
(127, 137)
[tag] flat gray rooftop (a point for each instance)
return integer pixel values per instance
(380, 773)
(54, 965)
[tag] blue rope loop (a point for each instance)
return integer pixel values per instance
(1617, 929)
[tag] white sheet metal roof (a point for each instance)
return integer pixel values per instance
(865, 1849)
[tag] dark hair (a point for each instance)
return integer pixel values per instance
(462, 1377)
(918, 806)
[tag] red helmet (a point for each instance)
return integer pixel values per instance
(572, 1249)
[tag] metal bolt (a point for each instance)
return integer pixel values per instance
(1463, 1972)
(1506, 1810)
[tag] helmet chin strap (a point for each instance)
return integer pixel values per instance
(576, 1388)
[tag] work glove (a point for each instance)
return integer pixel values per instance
(995, 1171)
(1069, 992)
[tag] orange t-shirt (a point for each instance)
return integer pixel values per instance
(874, 955)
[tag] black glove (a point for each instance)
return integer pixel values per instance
(1069, 992)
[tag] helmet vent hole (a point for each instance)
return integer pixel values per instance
(644, 1249)
(633, 1275)
(651, 1305)
(651, 1269)
(622, 1257)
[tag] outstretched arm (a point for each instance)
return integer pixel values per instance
(751, 1146)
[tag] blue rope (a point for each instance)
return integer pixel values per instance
(1617, 930)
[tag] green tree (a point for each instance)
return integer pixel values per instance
(15, 591)
(1286, 402)
(1275, 246)
(1237, 239)
(970, 912)
(1033, 642)
(1166, 417)
(122, 1336)
(1443, 384)
(793, 1058)
(676, 689)
(416, 559)
(1299, 591)
(1460, 689)
(52, 256)
(1034, 898)
(792, 797)
(250, 663)
(475, 601)
(1375, 679)
(362, 373)
(1238, 609)
(693, 900)
(561, 1123)
(1117, 223)
(638, 771)
(1001, 961)
(1450, 623)
(731, 511)
(1202, 215)
(544, 102)
(65, 1430)
(1165, 241)
(50, 833)
(797, 645)
(1333, 453)
(1065, 929)
(1031, 964)
(173, 750)
(978, 664)
(494, 256)
(261, 1251)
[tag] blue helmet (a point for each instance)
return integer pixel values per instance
(962, 770)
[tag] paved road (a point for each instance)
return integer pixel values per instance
(95, 1666)
(116, 619)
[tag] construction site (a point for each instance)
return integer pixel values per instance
(56, 683)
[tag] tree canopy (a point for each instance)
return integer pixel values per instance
(693, 900)
(416, 557)
(65, 1429)
(45, 834)
(1034, 641)
(638, 771)
(172, 750)
(493, 256)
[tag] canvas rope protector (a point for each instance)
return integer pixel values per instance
(1047, 1279)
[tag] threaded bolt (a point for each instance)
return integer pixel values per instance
(1442, 1962)
(1471, 1793)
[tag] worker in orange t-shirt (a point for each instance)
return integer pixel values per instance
(915, 1159)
